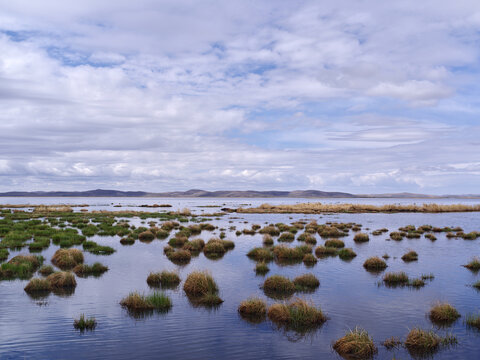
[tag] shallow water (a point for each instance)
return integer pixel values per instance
(350, 296)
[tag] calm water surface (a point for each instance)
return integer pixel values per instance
(42, 329)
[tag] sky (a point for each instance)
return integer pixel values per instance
(361, 96)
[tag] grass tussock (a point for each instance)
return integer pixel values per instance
(410, 256)
(261, 268)
(66, 259)
(62, 280)
(278, 284)
(146, 236)
(346, 254)
(318, 208)
(260, 254)
(422, 342)
(374, 264)
(298, 315)
(309, 259)
(164, 279)
(179, 256)
(356, 344)
(396, 278)
(83, 270)
(253, 308)
(361, 238)
(37, 285)
(138, 302)
(335, 243)
(286, 237)
(473, 321)
(83, 323)
(286, 253)
(20, 267)
(306, 282)
(195, 246)
(322, 251)
(46, 270)
(267, 240)
(392, 343)
(443, 313)
(474, 264)
(202, 288)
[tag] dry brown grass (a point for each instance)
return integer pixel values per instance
(297, 315)
(356, 344)
(443, 313)
(67, 258)
(317, 208)
(61, 280)
(374, 264)
(253, 307)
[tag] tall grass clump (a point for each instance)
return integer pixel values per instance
(374, 264)
(278, 286)
(62, 280)
(46, 270)
(261, 268)
(164, 279)
(83, 323)
(346, 254)
(361, 237)
(267, 240)
(37, 285)
(443, 314)
(322, 251)
(20, 267)
(254, 309)
(201, 288)
(139, 302)
(260, 254)
(422, 342)
(306, 282)
(473, 321)
(356, 344)
(335, 243)
(83, 270)
(410, 256)
(399, 278)
(67, 259)
(474, 264)
(286, 237)
(309, 259)
(298, 315)
(179, 256)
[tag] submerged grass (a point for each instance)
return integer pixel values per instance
(83, 323)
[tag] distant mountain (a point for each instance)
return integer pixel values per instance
(196, 193)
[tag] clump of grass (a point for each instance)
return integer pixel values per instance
(67, 259)
(309, 259)
(392, 343)
(473, 321)
(253, 309)
(278, 286)
(37, 285)
(386, 256)
(399, 278)
(416, 283)
(286, 237)
(346, 254)
(443, 313)
(127, 241)
(298, 315)
(202, 288)
(195, 246)
(83, 323)
(356, 344)
(164, 279)
(62, 280)
(361, 237)
(267, 240)
(262, 254)
(46, 270)
(96, 269)
(397, 236)
(177, 241)
(138, 302)
(330, 232)
(214, 247)
(474, 264)
(261, 268)
(374, 264)
(422, 342)
(297, 253)
(322, 251)
(270, 230)
(3, 254)
(410, 256)
(146, 236)
(334, 243)
(20, 266)
(431, 237)
(179, 256)
(306, 282)
(476, 285)
(307, 238)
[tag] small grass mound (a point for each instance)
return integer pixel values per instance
(46, 270)
(322, 251)
(195, 246)
(83, 323)
(179, 256)
(335, 243)
(253, 308)
(137, 302)
(346, 254)
(410, 256)
(397, 236)
(309, 259)
(374, 264)
(298, 315)
(20, 267)
(392, 343)
(286, 237)
(356, 344)
(66, 259)
(267, 240)
(474, 264)
(37, 285)
(443, 314)
(62, 280)
(146, 236)
(286, 253)
(422, 342)
(473, 321)
(201, 288)
(361, 238)
(278, 286)
(399, 278)
(214, 247)
(306, 282)
(260, 254)
(96, 269)
(164, 279)
(261, 268)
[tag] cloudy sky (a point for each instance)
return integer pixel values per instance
(363, 96)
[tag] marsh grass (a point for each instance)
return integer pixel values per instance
(306, 283)
(361, 237)
(166, 279)
(356, 344)
(66, 259)
(375, 264)
(397, 236)
(283, 252)
(179, 256)
(334, 243)
(309, 259)
(20, 267)
(261, 268)
(260, 254)
(392, 343)
(297, 315)
(443, 314)
(278, 287)
(267, 240)
(137, 302)
(322, 251)
(395, 279)
(194, 246)
(83, 323)
(3, 254)
(286, 237)
(46, 270)
(474, 264)
(473, 321)
(253, 309)
(37, 285)
(201, 289)
(346, 254)
(83, 270)
(410, 256)
(146, 236)
(421, 342)
(61, 280)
